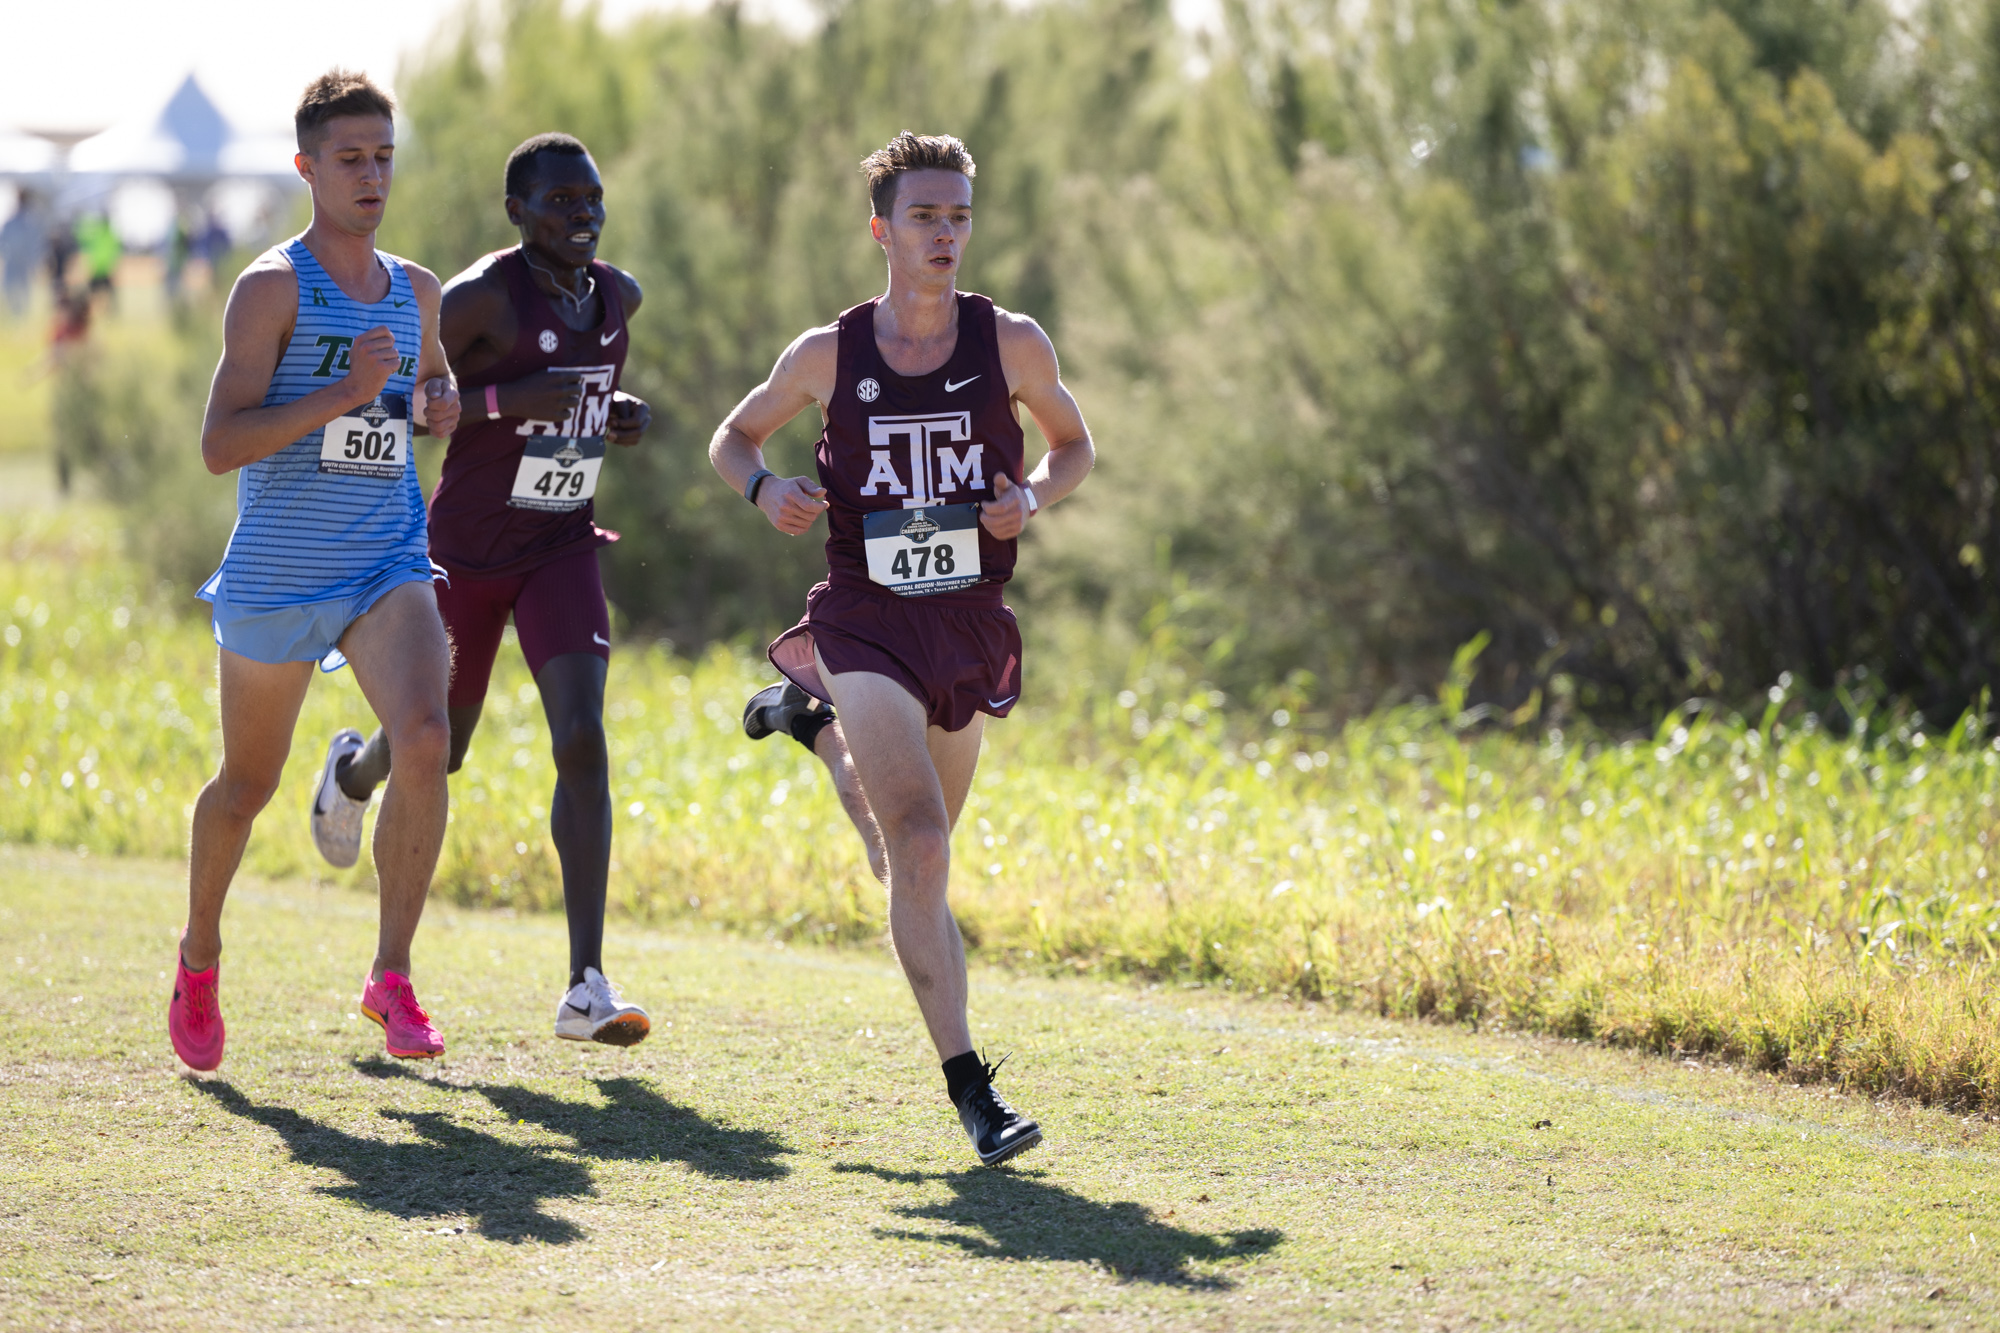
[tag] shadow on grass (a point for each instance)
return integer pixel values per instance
(636, 1124)
(450, 1171)
(1013, 1215)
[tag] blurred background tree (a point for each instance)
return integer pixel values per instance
(1655, 339)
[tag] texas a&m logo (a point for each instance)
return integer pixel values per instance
(924, 460)
(592, 414)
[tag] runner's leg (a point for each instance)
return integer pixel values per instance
(831, 748)
(474, 612)
(260, 705)
(916, 777)
(572, 687)
(402, 662)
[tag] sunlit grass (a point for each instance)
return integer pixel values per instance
(1754, 886)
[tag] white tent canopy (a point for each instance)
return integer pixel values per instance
(187, 142)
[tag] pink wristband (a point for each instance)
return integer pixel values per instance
(492, 400)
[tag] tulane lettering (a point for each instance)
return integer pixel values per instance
(335, 353)
(407, 366)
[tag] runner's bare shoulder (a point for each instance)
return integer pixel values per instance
(423, 283)
(265, 297)
(1026, 353)
(479, 282)
(810, 365)
(628, 288)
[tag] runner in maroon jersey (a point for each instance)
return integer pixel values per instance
(538, 336)
(923, 480)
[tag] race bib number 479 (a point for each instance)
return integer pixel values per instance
(373, 442)
(557, 473)
(919, 552)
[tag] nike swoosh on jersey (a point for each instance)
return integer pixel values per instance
(604, 339)
(599, 638)
(401, 304)
(949, 387)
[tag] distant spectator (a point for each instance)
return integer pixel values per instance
(210, 243)
(101, 251)
(22, 240)
(178, 248)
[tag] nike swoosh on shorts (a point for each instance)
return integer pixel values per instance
(1002, 703)
(949, 387)
(599, 638)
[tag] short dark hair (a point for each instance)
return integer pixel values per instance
(912, 152)
(521, 162)
(338, 92)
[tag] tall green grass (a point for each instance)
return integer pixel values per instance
(1752, 887)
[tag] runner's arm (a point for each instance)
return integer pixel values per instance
(436, 389)
(804, 375)
(477, 324)
(237, 429)
(630, 414)
(1035, 379)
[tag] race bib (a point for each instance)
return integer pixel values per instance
(557, 472)
(918, 552)
(373, 442)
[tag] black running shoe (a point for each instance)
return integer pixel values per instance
(996, 1129)
(773, 708)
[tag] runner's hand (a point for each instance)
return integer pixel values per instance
(629, 418)
(370, 362)
(546, 395)
(441, 406)
(791, 503)
(1007, 512)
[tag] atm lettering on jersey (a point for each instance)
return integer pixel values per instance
(592, 415)
(924, 460)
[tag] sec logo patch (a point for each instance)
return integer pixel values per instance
(868, 391)
(549, 341)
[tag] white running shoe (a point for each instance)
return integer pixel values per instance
(594, 1011)
(336, 816)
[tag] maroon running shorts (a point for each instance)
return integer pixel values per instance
(956, 660)
(558, 608)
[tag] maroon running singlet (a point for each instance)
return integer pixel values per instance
(913, 588)
(517, 494)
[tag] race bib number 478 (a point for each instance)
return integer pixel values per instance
(372, 442)
(919, 552)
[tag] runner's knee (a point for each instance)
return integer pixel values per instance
(244, 796)
(421, 742)
(919, 842)
(579, 752)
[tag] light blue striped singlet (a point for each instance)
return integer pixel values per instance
(304, 536)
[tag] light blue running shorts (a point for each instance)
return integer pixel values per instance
(309, 632)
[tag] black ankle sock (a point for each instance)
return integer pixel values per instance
(962, 1073)
(807, 726)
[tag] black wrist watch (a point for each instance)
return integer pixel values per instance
(756, 483)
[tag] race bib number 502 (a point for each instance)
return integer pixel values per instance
(373, 442)
(920, 552)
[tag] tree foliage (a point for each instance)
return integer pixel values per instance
(1654, 339)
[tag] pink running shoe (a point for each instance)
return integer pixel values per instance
(194, 1017)
(392, 1002)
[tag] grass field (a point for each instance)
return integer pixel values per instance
(780, 1154)
(1751, 887)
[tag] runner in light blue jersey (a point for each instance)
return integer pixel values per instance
(330, 362)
